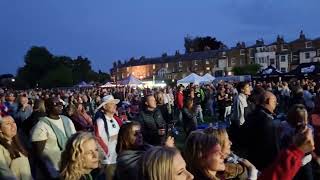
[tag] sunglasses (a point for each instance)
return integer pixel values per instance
(113, 123)
(57, 104)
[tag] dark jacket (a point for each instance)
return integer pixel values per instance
(189, 120)
(129, 164)
(262, 138)
(151, 122)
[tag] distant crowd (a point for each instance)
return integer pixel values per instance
(225, 130)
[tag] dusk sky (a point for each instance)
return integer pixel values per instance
(108, 30)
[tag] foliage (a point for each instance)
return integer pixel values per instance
(42, 69)
(250, 69)
(198, 44)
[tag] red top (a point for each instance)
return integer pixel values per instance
(285, 167)
(179, 100)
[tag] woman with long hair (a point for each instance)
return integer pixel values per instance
(204, 156)
(189, 117)
(164, 163)
(14, 163)
(236, 167)
(130, 149)
(80, 157)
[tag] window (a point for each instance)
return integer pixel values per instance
(284, 47)
(307, 55)
(153, 66)
(308, 44)
(208, 68)
(272, 61)
(283, 58)
(195, 62)
(283, 69)
(242, 52)
(233, 60)
(318, 52)
(180, 64)
(207, 62)
(167, 65)
(223, 53)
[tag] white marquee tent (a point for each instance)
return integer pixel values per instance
(191, 78)
(208, 78)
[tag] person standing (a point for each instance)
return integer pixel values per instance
(152, 122)
(49, 137)
(260, 128)
(107, 126)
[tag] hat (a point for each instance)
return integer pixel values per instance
(107, 99)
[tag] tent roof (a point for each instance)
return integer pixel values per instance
(131, 80)
(270, 70)
(208, 77)
(191, 78)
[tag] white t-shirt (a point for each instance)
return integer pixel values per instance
(113, 129)
(51, 154)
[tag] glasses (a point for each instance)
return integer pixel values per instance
(57, 104)
(113, 123)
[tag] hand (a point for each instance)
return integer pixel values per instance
(247, 164)
(304, 140)
(169, 142)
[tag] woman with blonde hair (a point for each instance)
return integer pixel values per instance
(236, 167)
(80, 157)
(164, 163)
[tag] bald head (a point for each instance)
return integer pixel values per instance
(268, 100)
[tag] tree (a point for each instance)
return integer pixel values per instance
(250, 69)
(201, 44)
(59, 77)
(46, 70)
(37, 61)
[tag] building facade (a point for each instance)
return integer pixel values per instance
(284, 56)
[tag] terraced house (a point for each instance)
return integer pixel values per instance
(283, 55)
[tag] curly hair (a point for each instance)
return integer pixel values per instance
(72, 164)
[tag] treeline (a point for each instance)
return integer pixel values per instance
(45, 70)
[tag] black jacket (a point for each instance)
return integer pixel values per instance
(129, 164)
(151, 122)
(261, 138)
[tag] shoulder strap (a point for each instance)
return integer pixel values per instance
(66, 125)
(61, 138)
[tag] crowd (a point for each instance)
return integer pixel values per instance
(230, 130)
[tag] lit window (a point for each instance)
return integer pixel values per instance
(207, 68)
(154, 66)
(207, 62)
(180, 64)
(195, 62)
(167, 65)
